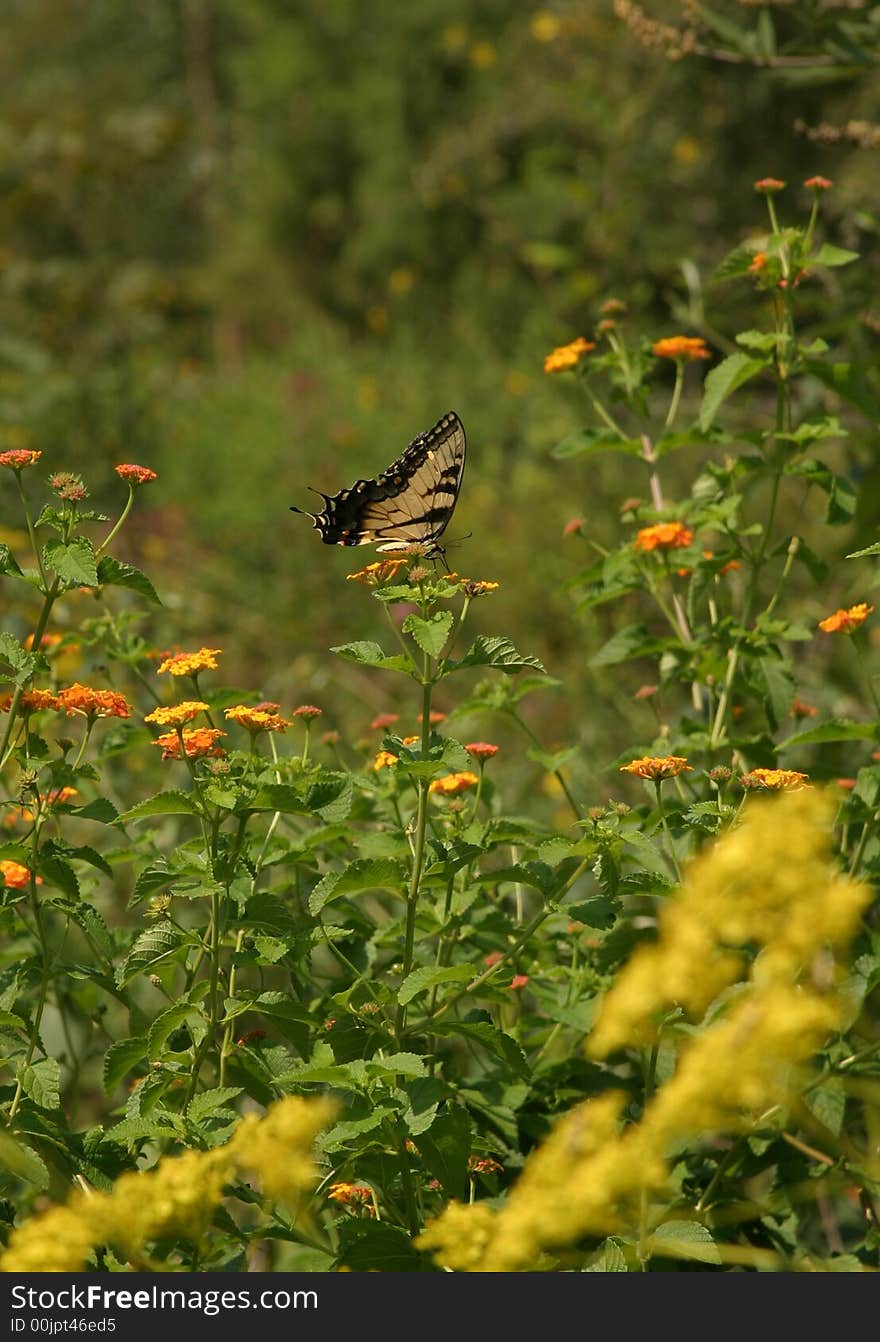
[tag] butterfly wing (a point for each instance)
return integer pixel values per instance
(409, 503)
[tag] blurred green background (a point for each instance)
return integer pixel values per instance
(260, 244)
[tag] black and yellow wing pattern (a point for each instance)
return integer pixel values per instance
(410, 503)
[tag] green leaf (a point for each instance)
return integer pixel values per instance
(587, 441)
(22, 1161)
(150, 948)
(168, 1021)
(163, 803)
(503, 1045)
(376, 1246)
(829, 255)
(120, 1058)
(367, 653)
(100, 809)
(763, 341)
(421, 979)
(364, 873)
(209, 1101)
(42, 1082)
(445, 1149)
(778, 685)
(842, 502)
(113, 573)
(629, 642)
(849, 382)
(74, 562)
(863, 554)
(21, 664)
(8, 563)
(611, 1258)
(498, 653)
(685, 1239)
(724, 379)
(835, 729)
(430, 634)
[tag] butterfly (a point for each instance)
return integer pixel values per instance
(410, 503)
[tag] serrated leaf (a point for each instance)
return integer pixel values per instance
(364, 873)
(73, 561)
(172, 802)
(168, 1021)
(152, 946)
(421, 979)
(113, 573)
(22, 1161)
(430, 635)
(725, 379)
(21, 664)
(498, 653)
(835, 729)
(367, 653)
(208, 1101)
(8, 563)
(376, 1246)
(685, 1239)
(99, 808)
(120, 1058)
(611, 1258)
(862, 554)
(498, 1042)
(42, 1082)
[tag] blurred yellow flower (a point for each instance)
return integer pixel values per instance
(179, 1196)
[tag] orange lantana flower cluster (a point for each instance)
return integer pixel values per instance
(177, 714)
(15, 876)
(384, 760)
(135, 475)
(198, 743)
(452, 784)
(31, 701)
(190, 663)
(16, 458)
(568, 356)
(377, 572)
(663, 536)
(686, 348)
(845, 621)
(656, 767)
(257, 719)
(91, 703)
(352, 1195)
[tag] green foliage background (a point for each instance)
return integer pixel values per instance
(259, 244)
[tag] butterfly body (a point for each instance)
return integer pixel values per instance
(409, 504)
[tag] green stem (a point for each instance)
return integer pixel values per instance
(412, 899)
(676, 394)
(43, 619)
(514, 950)
(670, 851)
(557, 773)
(45, 978)
(122, 516)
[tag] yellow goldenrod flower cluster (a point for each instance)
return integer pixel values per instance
(770, 883)
(179, 1196)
